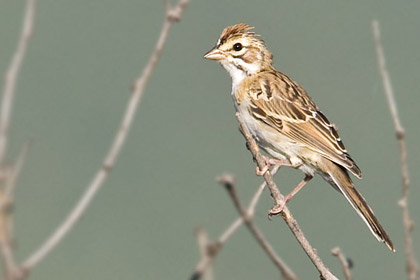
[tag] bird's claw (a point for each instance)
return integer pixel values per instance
(261, 172)
(268, 163)
(278, 208)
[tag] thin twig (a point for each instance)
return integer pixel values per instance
(207, 260)
(412, 267)
(6, 248)
(7, 257)
(11, 181)
(227, 234)
(325, 273)
(9, 91)
(343, 261)
(6, 216)
(12, 75)
(203, 245)
(172, 15)
(228, 182)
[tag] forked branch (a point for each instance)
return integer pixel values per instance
(228, 182)
(9, 174)
(215, 248)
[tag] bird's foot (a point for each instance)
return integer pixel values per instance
(278, 208)
(270, 162)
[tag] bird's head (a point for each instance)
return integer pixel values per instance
(241, 52)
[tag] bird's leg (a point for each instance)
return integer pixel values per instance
(278, 208)
(271, 161)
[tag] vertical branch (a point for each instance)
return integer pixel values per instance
(204, 247)
(12, 75)
(293, 225)
(9, 174)
(411, 262)
(6, 249)
(172, 15)
(6, 215)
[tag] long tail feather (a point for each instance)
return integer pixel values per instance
(339, 178)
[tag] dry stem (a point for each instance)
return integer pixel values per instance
(172, 15)
(17, 168)
(228, 182)
(204, 246)
(411, 262)
(9, 174)
(12, 75)
(343, 261)
(325, 273)
(6, 216)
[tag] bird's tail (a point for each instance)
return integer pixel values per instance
(340, 179)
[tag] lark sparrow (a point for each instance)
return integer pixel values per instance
(284, 120)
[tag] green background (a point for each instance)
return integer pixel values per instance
(74, 85)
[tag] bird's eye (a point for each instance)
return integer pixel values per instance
(237, 47)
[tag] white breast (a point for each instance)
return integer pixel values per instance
(277, 145)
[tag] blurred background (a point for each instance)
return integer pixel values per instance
(73, 89)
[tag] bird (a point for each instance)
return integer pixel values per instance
(285, 122)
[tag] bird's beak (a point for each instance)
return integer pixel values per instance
(215, 54)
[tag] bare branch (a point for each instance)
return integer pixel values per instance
(227, 234)
(411, 262)
(325, 273)
(6, 250)
(11, 181)
(6, 215)
(228, 182)
(206, 261)
(204, 245)
(389, 92)
(171, 16)
(10, 174)
(345, 264)
(12, 75)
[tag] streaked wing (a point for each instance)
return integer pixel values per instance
(281, 103)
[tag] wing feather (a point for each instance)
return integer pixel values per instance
(280, 102)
